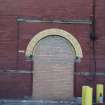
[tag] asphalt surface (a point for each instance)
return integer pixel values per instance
(76, 101)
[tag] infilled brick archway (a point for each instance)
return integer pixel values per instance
(53, 58)
(53, 69)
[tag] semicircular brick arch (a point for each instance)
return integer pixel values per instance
(54, 31)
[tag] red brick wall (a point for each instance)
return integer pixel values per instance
(53, 9)
(15, 85)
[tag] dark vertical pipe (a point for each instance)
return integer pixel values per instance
(17, 47)
(94, 35)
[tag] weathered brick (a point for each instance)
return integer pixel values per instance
(77, 9)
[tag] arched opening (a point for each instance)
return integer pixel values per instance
(54, 55)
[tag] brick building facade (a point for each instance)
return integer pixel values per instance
(16, 77)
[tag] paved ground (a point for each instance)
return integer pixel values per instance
(75, 101)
